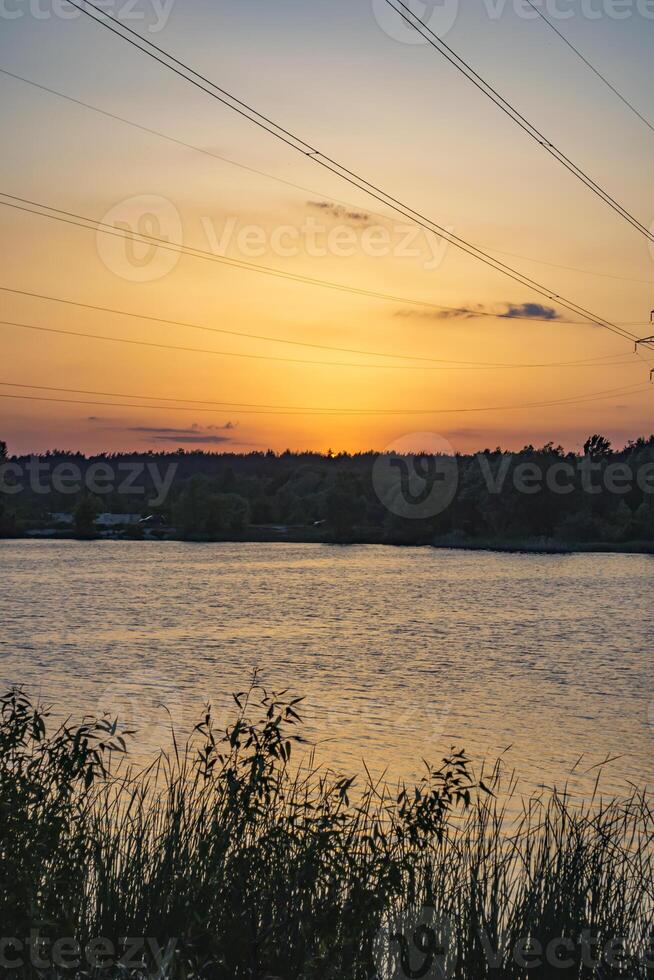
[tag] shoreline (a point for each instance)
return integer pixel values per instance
(305, 536)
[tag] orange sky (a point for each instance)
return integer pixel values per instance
(428, 137)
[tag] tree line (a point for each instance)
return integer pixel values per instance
(603, 495)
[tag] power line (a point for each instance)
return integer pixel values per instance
(288, 183)
(263, 122)
(592, 67)
(299, 343)
(92, 224)
(571, 268)
(179, 142)
(290, 360)
(507, 108)
(299, 410)
(216, 353)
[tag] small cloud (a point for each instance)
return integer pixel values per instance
(194, 431)
(338, 211)
(531, 311)
(507, 311)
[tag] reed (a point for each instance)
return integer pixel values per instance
(226, 858)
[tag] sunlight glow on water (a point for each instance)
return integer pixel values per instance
(400, 652)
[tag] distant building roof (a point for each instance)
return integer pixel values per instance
(111, 520)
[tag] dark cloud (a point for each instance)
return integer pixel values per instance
(506, 311)
(194, 434)
(337, 211)
(531, 311)
(195, 431)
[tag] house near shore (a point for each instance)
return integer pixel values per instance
(116, 520)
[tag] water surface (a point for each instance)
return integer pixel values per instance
(400, 652)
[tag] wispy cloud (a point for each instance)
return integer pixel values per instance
(465, 313)
(195, 434)
(340, 212)
(504, 311)
(193, 430)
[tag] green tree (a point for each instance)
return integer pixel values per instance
(643, 523)
(7, 522)
(3, 451)
(597, 447)
(192, 505)
(200, 510)
(233, 511)
(345, 505)
(85, 514)
(228, 481)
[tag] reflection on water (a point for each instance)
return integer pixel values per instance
(400, 652)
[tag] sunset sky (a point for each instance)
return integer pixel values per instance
(343, 77)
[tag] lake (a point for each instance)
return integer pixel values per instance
(400, 653)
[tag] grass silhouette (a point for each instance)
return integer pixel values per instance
(227, 859)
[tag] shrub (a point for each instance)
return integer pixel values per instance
(234, 861)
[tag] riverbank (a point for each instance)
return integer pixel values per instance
(312, 535)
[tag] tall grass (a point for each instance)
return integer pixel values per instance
(225, 859)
